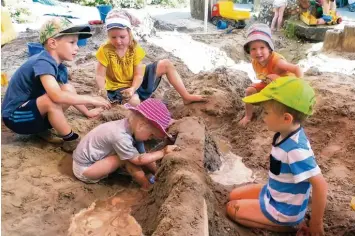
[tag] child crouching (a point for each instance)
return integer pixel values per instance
(113, 145)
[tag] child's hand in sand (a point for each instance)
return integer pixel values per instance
(271, 77)
(94, 113)
(128, 93)
(171, 148)
(316, 228)
(190, 98)
(99, 102)
(103, 93)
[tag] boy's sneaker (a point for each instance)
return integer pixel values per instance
(50, 137)
(69, 146)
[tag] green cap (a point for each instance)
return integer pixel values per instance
(58, 26)
(290, 91)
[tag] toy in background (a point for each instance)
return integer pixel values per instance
(352, 5)
(224, 11)
(7, 29)
(319, 12)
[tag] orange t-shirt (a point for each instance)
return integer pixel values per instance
(262, 71)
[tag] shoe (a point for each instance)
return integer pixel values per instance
(69, 146)
(50, 137)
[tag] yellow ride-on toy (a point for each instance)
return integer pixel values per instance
(310, 19)
(224, 10)
(314, 14)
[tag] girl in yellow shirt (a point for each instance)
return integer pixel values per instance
(120, 74)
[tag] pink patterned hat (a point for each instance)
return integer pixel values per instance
(155, 111)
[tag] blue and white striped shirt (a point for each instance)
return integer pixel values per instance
(285, 198)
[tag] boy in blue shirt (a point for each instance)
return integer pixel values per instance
(39, 92)
(282, 202)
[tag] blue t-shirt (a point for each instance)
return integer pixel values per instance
(25, 84)
(284, 199)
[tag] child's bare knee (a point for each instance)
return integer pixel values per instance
(250, 90)
(69, 88)
(232, 209)
(134, 101)
(232, 196)
(46, 104)
(166, 64)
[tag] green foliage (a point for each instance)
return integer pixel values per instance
(171, 3)
(131, 3)
(114, 3)
(94, 3)
(20, 15)
(290, 30)
(128, 3)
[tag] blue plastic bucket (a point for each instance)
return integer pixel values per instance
(82, 42)
(34, 48)
(103, 10)
(222, 24)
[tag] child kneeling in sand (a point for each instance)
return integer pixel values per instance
(267, 64)
(112, 145)
(282, 202)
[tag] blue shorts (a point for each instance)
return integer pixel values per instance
(27, 119)
(149, 85)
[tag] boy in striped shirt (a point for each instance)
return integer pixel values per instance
(282, 202)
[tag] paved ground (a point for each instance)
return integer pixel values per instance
(345, 13)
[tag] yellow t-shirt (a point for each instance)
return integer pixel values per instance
(119, 70)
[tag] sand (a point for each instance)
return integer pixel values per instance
(40, 195)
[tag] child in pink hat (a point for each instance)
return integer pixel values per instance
(113, 145)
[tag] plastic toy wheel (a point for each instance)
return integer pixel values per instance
(215, 19)
(240, 24)
(339, 20)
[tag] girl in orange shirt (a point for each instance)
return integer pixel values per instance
(267, 64)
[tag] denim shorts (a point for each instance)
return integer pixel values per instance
(149, 85)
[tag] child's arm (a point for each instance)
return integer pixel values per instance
(147, 158)
(88, 113)
(96, 112)
(57, 95)
(101, 77)
(138, 76)
(295, 69)
(319, 199)
(137, 81)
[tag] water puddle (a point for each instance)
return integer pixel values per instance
(233, 171)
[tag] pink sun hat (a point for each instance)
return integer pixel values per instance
(155, 111)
